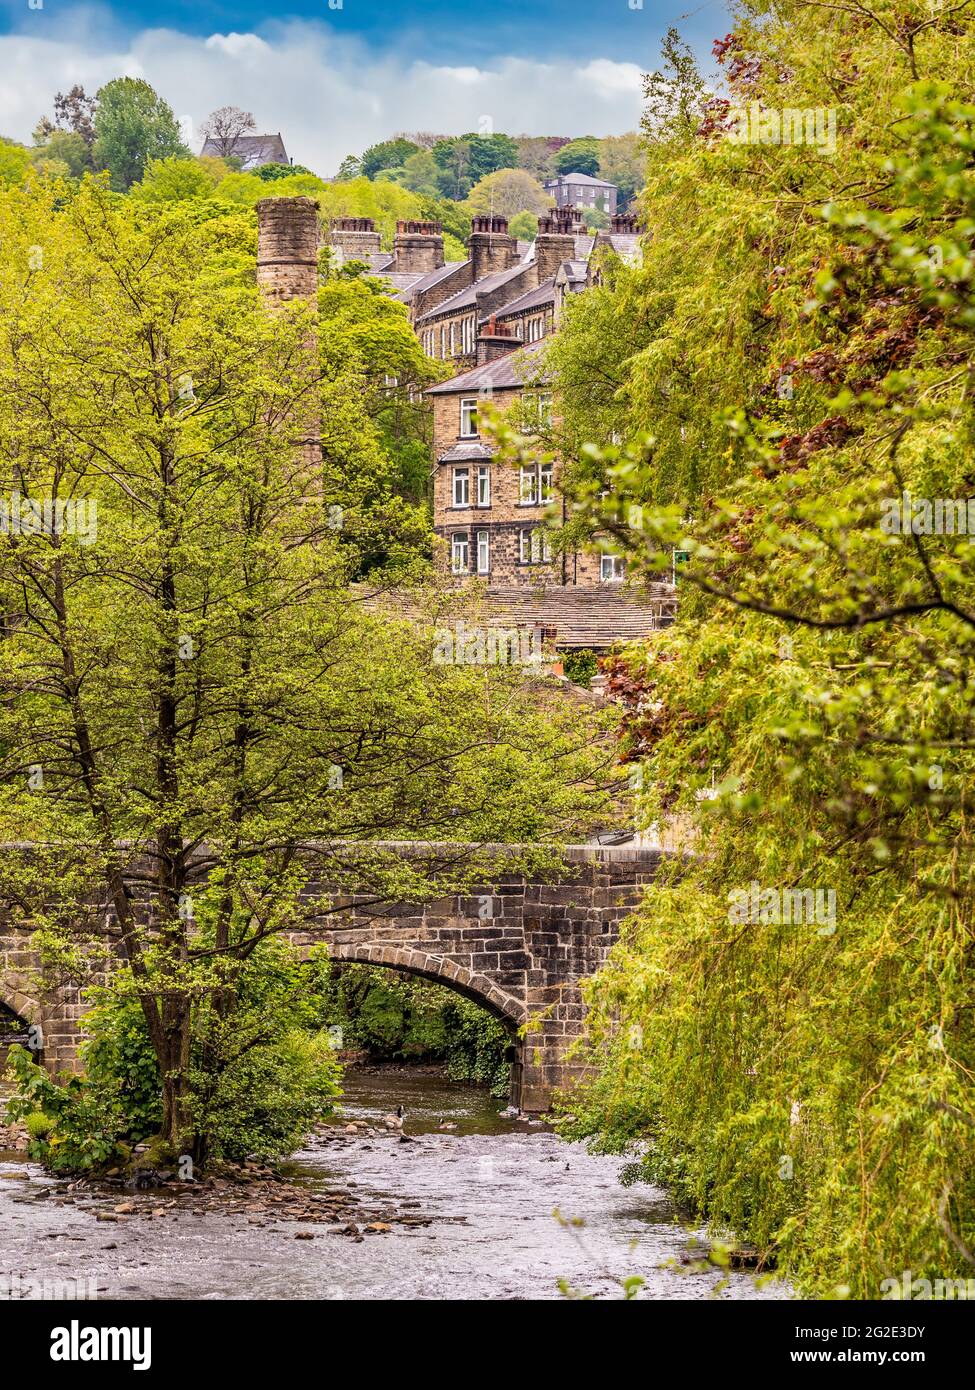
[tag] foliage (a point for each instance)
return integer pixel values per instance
(390, 154)
(261, 1073)
(799, 351)
(399, 1018)
(579, 157)
(132, 126)
(271, 172)
(15, 160)
(524, 226)
(507, 192)
(580, 666)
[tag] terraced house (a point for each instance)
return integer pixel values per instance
(489, 316)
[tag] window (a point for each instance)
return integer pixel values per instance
(462, 487)
(483, 552)
(459, 553)
(453, 341)
(467, 335)
(535, 484)
(544, 404)
(534, 547)
(528, 487)
(611, 567)
(468, 417)
(484, 486)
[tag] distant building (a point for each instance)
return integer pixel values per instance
(583, 191)
(252, 150)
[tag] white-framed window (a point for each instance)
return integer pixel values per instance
(544, 404)
(453, 339)
(484, 486)
(534, 546)
(459, 553)
(528, 486)
(468, 417)
(483, 552)
(462, 487)
(611, 568)
(545, 490)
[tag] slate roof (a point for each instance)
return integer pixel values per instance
(408, 283)
(464, 453)
(515, 369)
(468, 298)
(586, 179)
(545, 294)
(253, 150)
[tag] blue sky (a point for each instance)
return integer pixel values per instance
(335, 80)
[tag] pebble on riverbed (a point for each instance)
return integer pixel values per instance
(252, 1189)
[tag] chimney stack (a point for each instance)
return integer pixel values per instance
(623, 223)
(355, 237)
(494, 341)
(287, 248)
(418, 247)
(555, 240)
(490, 247)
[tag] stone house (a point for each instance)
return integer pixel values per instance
(583, 191)
(489, 316)
(253, 151)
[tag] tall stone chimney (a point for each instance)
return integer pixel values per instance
(555, 241)
(490, 247)
(287, 268)
(418, 247)
(287, 248)
(355, 237)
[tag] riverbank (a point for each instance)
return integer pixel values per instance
(468, 1213)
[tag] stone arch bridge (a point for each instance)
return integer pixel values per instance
(517, 945)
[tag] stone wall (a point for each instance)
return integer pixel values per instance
(517, 945)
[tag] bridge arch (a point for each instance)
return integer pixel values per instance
(442, 971)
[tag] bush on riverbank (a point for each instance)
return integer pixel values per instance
(397, 1018)
(261, 1069)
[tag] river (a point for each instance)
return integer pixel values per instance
(488, 1189)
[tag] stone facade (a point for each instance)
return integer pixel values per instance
(517, 945)
(503, 530)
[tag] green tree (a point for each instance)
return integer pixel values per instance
(15, 160)
(579, 156)
(506, 192)
(524, 226)
(622, 161)
(133, 126)
(194, 701)
(177, 179)
(390, 154)
(69, 149)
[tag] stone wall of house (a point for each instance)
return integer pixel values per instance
(504, 519)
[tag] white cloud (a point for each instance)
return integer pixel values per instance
(328, 96)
